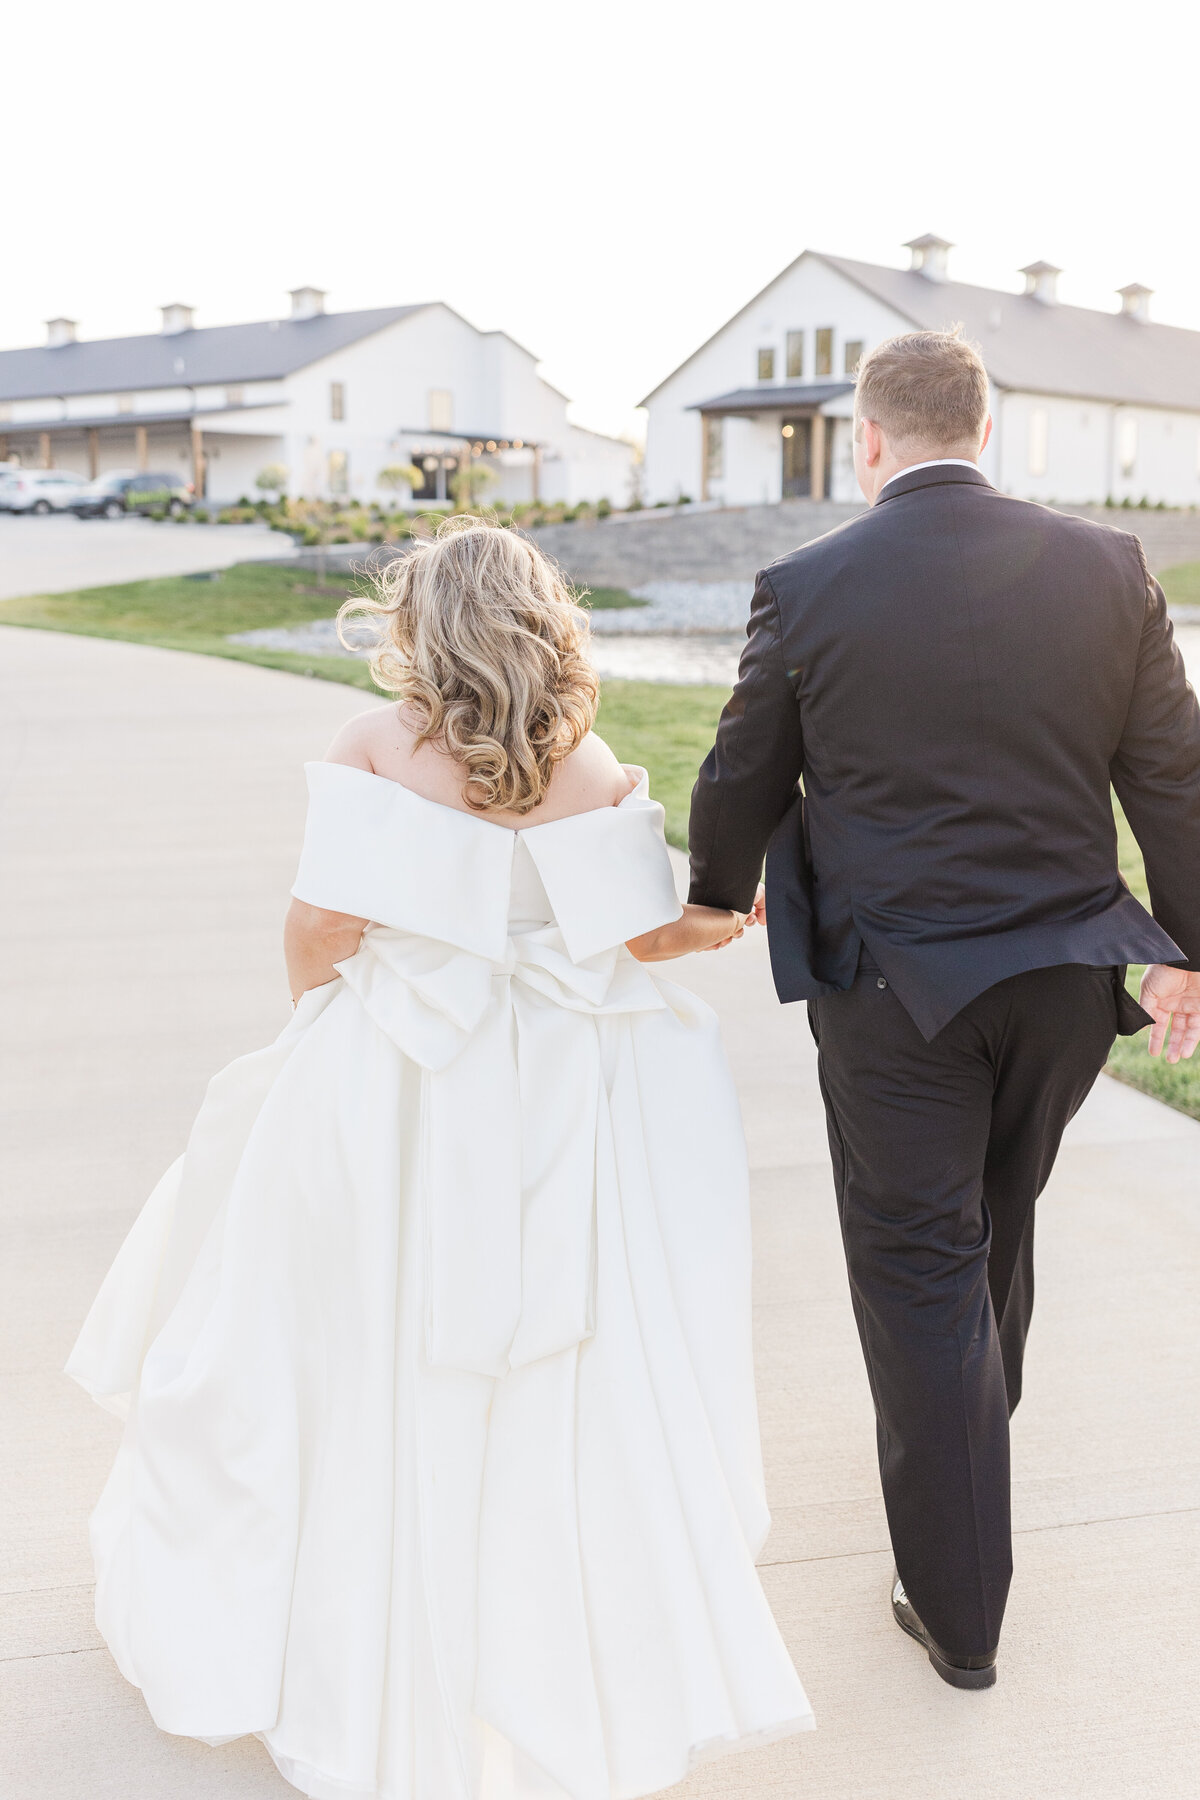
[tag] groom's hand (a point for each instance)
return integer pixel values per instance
(760, 904)
(1172, 998)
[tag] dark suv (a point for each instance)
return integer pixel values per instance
(111, 495)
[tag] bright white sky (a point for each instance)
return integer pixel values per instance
(607, 180)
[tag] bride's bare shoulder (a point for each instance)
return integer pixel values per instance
(372, 739)
(590, 777)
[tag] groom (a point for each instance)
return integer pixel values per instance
(955, 677)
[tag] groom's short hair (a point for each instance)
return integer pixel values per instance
(926, 388)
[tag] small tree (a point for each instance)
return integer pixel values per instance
(400, 475)
(470, 484)
(272, 480)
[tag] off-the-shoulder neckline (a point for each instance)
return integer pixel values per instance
(477, 818)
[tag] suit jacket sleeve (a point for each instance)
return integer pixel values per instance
(748, 780)
(1156, 774)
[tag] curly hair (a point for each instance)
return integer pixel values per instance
(482, 637)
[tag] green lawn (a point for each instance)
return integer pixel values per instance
(667, 729)
(1181, 584)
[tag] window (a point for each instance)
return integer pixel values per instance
(853, 355)
(437, 472)
(1039, 440)
(1127, 445)
(824, 350)
(441, 409)
(714, 453)
(795, 356)
(339, 472)
(337, 400)
(235, 396)
(766, 365)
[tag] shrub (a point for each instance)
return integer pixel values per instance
(157, 512)
(603, 508)
(271, 480)
(201, 515)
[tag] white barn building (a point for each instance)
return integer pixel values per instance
(334, 398)
(1086, 405)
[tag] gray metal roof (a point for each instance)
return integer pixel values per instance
(1027, 344)
(775, 397)
(212, 354)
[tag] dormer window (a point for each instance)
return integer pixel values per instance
(795, 356)
(824, 338)
(337, 401)
(853, 355)
(766, 365)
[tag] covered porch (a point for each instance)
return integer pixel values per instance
(802, 417)
(107, 443)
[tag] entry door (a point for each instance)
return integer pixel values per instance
(797, 458)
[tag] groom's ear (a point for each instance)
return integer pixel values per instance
(872, 442)
(987, 432)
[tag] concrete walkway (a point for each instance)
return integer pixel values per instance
(150, 817)
(59, 553)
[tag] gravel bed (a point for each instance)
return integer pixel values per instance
(679, 606)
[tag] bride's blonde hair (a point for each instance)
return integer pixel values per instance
(481, 636)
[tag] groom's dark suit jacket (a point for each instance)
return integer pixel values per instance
(957, 677)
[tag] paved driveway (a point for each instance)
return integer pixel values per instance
(52, 555)
(151, 805)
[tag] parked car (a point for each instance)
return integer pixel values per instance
(121, 492)
(104, 498)
(40, 490)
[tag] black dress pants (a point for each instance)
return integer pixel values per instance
(939, 1153)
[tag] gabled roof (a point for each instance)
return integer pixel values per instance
(214, 354)
(1054, 349)
(1027, 344)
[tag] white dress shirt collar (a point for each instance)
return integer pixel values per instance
(935, 462)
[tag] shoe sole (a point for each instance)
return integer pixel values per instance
(970, 1679)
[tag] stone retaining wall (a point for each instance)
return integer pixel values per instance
(733, 544)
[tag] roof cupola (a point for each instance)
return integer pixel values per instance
(1041, 282)
(60, 331)
(177, 317)
(307, 302)
(1135, 302)
(930, 256)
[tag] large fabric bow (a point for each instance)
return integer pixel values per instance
(512, 1091)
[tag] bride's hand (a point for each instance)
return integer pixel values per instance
(697, 928)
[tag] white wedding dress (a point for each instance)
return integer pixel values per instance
(441, 1471)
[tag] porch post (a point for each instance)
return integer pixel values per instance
(537, 472)
(816, 453)
(93, 452)
(47, 461)
(199, 467)
(140, 454)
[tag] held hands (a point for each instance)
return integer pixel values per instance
(1172, 998)
(757, 916)
(697, 928)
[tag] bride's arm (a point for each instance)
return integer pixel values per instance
(314, 940)
(697, 928)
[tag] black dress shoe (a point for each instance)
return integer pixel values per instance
(959, 1671)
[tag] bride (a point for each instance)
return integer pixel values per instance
(441, 1471)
